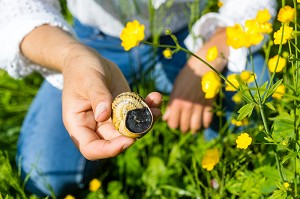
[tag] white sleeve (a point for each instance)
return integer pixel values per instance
(17, 19)
(232, 12)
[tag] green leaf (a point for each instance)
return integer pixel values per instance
(273, 88)
(245, 111)
(283, 127)
(270, 140)
(292, 154)
(270, 106)
(278, 194)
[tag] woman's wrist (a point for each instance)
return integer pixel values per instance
(48, 46)
(217, 40)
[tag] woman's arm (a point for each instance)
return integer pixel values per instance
(90, 83)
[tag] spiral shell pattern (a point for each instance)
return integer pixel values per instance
(131, 115)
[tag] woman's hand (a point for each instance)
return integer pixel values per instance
(188, 109)
(90, 84)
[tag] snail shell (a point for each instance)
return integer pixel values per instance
(131, 115)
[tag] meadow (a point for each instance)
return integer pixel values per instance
(256, 155)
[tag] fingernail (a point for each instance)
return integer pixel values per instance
(126, 145)
(165, 116)
(100, 108)
(158, 101)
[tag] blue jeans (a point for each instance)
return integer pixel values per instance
(45, 151)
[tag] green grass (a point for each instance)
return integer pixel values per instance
(166, 163)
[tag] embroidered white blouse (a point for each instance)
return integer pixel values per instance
(18, 18)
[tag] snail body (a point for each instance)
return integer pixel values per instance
(131, 115)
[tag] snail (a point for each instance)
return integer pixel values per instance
(131, 115)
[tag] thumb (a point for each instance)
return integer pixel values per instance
(101, 99)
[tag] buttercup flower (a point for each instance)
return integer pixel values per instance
(132, 35)
(279, 92)
(167, 53)
(263, 16)
(94, 185)
(287, 34)
(212, 53)
(220, 4)
(243, 122)
(252, 33)
(210, 159)
(69, 197)
(237, 98)
(286, 184)
(284, 142)
(247, 76)
(280, 65)
(233, 79)
(211, 84)
(285, 54)
(243, 141)
(235, 36)
(286, 14)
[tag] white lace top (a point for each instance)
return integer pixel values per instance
(18, 18)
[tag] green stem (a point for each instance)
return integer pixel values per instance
(216, 71)
(178, 47)
(279, 166)
(296, 130)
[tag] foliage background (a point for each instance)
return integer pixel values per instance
(164, 164)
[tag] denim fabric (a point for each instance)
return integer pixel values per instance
(45, 150)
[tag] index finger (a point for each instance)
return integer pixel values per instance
(94, 148)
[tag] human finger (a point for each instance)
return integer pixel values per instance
(196, 118)
(174, 115)
(207, 116)
(94, 148)
(154, 99)
(185, 116)
(100, 97)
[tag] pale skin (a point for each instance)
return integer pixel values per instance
(90, 84)
(188, 109)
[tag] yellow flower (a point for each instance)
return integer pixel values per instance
(235, 36)
(212, 53)
(243, 141)
(287, 34)
(279, 92)
(286, 184)
(211, 84)
(167, 53)
(69, 197)
(243, 122)
(247, 76)
(237, 98)
(252, 33)
(210, 159)
(233, 79)
(285, 54)
(132, 35)
(265, 28)
(220, 4)
(263, 16)
(94, 185)
(284, 142)
(286, 14)
(273, 62)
